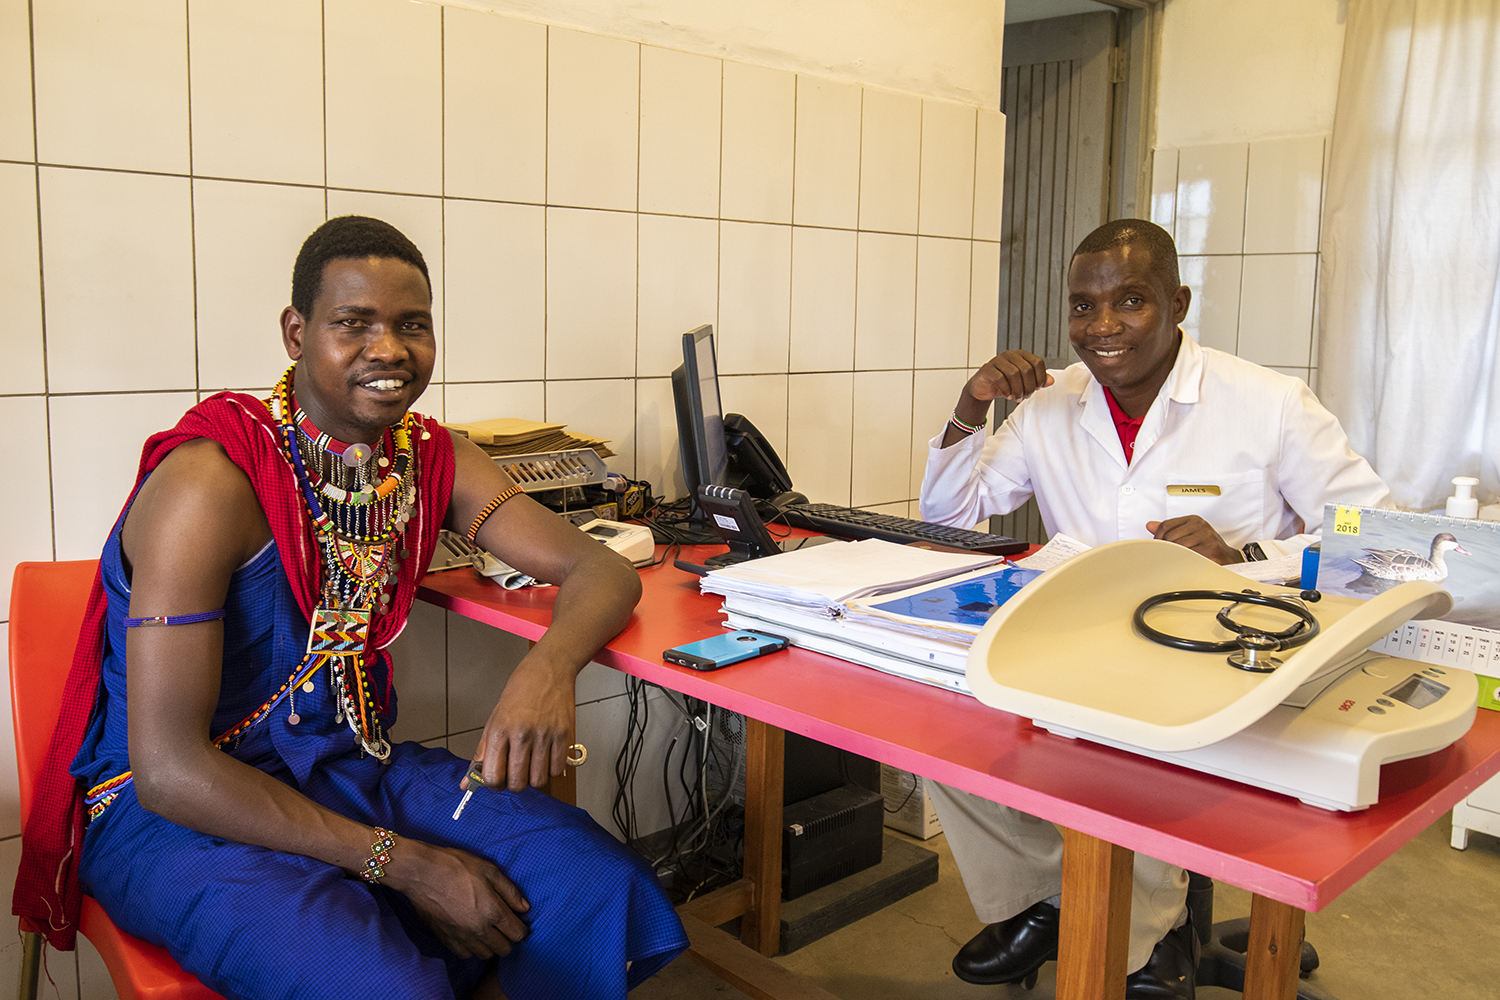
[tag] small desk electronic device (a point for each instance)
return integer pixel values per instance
(1317, 726)
(633, 541)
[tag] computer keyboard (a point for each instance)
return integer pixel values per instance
(850, 522)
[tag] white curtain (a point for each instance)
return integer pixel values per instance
(1411, 245)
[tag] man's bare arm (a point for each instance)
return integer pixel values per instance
(531, 727)
(194, 522)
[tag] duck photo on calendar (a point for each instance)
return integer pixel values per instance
(1366, 551)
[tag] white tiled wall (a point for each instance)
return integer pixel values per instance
(1246, 219)
(581, 201)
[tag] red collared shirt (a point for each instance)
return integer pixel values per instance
(1125, 426)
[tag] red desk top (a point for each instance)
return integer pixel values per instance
(1258, 840)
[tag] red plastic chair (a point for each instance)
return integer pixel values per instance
(47, 601)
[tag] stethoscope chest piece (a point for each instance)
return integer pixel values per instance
(1255, 652)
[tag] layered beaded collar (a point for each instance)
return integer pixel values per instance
(358, 529)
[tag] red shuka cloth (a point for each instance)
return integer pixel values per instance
(48, 894)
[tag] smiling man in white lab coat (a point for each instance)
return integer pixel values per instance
(1150, 436)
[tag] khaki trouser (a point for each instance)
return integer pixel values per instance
(1010, 860)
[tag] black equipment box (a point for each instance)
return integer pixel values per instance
(828, 837)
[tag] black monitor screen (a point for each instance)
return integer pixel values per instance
(700, 417)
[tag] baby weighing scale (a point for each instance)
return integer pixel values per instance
(1313, 716)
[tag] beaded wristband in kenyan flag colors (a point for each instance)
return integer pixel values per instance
(380, 855)
(967, 428)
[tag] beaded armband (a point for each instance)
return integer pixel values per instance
(192, 619)
(967, 428)
(380, 855)
(489, 509)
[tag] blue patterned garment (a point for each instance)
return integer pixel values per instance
(255, 923)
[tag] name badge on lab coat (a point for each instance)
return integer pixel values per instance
(1192, 490)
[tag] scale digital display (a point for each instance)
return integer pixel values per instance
(1418, 692)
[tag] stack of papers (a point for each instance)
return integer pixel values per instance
(821, 578)
(514, 436)
(806, 595)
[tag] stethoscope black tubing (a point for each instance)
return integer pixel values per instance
(1293, 635)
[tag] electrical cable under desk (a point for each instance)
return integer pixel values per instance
(703, 846)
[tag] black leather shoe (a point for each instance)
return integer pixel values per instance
(1170, 972)
(1012, 950)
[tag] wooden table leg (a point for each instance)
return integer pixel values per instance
(765, 756)
(1274, 957)
(1095, 923)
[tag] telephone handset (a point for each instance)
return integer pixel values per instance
(754, 465)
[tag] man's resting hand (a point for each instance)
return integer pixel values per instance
(529, 730)
(1192, 532)
(469, 903)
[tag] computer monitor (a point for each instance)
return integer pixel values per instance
(700, 416)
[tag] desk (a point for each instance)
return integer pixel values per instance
(1294, 858)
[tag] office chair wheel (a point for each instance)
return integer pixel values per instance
(1235, 935)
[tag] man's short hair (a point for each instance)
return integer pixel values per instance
(1136, 232)
(348, 237)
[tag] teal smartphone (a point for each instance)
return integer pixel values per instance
(721, 650)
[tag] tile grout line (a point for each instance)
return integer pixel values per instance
(443, 185)
(41, 284)
(187, 43)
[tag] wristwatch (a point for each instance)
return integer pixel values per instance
(1253, 552)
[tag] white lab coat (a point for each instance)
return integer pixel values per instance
(1273, 452)
(1275, 456)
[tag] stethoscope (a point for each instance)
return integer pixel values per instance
(1252, 648)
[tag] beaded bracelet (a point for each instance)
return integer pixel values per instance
(489, 509)
(967, 428)
(380, 855)
(194, 618)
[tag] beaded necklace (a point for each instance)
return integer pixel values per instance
(358, 529)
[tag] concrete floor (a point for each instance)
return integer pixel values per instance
(1426, 923)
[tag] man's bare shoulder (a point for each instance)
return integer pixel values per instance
(476, 477)
(199, 497)
(466, 451)
(202, 464)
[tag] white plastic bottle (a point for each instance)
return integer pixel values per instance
(1463, 503)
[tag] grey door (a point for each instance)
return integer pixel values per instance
(1056, 85)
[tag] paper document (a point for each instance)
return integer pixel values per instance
(1277, 571)
(1061, 548)
(825, 576)
(866, 656)
(1058, 550)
